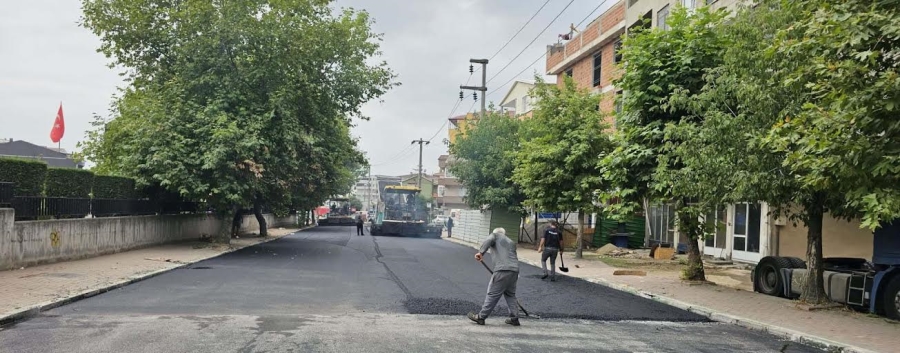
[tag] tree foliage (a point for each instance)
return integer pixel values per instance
(660, 67)
(844, 135)
(236, 102)
(484, 159)
(560, 146)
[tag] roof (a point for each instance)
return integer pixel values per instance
(402, 188)
(416, 177)
(513, 87)
(22, 149)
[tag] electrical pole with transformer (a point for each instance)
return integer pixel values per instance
(420, 142)
(482, 88)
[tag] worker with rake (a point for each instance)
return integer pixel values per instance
(504, 278)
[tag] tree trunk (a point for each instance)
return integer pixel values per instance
(225, 229)
(236, 223)
(257, 211)
(579, 244)
(694, 270)
(689, 223)
(813, 284)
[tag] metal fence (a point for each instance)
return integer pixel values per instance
(180, 207)
(37, 207)
(6, 193)
(116, 207)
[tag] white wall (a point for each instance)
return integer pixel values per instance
(472, 226)
(28, 243)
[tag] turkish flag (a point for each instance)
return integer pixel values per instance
(59, 126)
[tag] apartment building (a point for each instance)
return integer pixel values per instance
(590, 58)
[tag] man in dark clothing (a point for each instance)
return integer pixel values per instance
(449, 227)
(359, 224)
(503, 281)
(551, 245)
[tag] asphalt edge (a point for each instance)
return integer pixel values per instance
(791, 335)
(16, 316)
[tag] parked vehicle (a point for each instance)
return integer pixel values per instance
(440, 220)
(865, 286)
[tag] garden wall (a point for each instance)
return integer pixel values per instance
(28, 243)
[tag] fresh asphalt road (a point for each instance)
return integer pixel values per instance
(327, 290)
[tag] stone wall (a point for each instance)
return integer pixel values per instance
(28, 243)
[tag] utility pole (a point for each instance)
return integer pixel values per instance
(420, 142)
(369, 191)
(483, 87)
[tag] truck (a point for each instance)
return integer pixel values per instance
(862, 285)
(339, 213)
(401, 213)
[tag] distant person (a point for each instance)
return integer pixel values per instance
(359, 224)
(449, 227)
(503, 282)
(551, 245)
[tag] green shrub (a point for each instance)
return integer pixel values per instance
(27, 174)
(113, 187)
(66, 182)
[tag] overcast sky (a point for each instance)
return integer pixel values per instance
(46, 58)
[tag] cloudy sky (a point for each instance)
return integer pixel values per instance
(46, 58)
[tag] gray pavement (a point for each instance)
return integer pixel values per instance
(327, 290)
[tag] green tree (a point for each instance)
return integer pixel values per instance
(761, 122)
(484, 163)
(845, 132)
(840, 136)
(557, 162)
(235, 102)
(663, 65)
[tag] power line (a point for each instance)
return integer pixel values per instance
(520, 30)
(394, 157)
(544, 54)
(532, 41)
(516, 75)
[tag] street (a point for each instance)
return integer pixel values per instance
(328, 290)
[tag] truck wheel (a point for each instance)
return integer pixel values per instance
(890, 301)
(768, 277)
(796, 262)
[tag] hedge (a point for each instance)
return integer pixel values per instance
(65, 182)
(27, 174)
(113, 187)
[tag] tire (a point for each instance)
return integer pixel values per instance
(796, 262)
(767, 275)
(843, 263)
(890, 299)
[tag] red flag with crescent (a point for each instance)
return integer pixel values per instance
(59, 126)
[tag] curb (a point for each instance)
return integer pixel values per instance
(791, 335)
(19, 315)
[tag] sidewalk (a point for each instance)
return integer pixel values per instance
(852, 331)
(26, 292)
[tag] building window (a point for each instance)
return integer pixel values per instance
(619, 101)
(617, 51)
(661, 17)
(688, 4)
(525, 104)
(597, 67)
(569, 72)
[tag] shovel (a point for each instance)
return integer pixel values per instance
(517, 299)
(562, 265)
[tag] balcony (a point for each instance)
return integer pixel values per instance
(606, 28)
